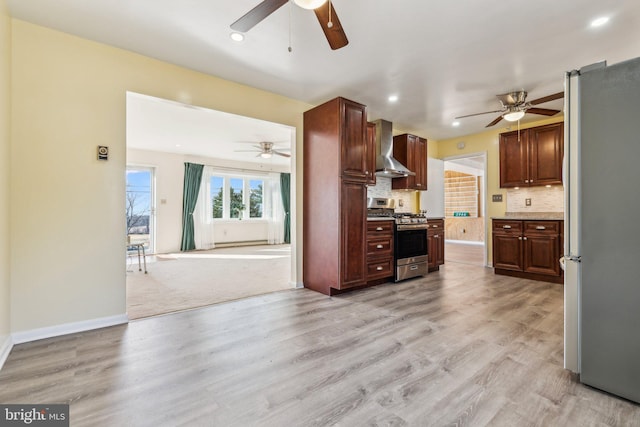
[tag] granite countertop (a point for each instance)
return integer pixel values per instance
(434, 217)
(536, 216)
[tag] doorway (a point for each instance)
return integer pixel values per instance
(140, 207)
(465, 210)
(240, 250)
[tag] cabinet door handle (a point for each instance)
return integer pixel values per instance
(524, 238)
(379, 228)
(526, 180)
(541, 227)
(379, 246)
(434, 226)
(506, 227)
(379, 268)
(519, 238)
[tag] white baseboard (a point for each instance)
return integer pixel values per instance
(5, 349)
(297, 285)
(68, 328)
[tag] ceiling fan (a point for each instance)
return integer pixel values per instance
(514, 106)
(324, 10)
(265, 150)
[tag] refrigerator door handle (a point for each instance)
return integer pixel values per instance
(574, 258)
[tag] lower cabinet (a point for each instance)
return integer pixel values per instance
(435, 243)
(529, 249)
(379, 250)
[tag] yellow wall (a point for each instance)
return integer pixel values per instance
(5, 129)
(487, 142)
(67, 208)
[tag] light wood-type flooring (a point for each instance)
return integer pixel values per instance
(459, 347)
(465, 253)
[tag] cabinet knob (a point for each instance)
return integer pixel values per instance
(526, 180)
(379, 246)
(524, 238)
(379, 268)
(379, 228)
(519, 238)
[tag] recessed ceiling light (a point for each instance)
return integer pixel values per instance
(455, 124)
(237, 37)
(598, 22)
(393, 98)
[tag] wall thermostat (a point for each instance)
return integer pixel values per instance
(461, 145)
(103, 152)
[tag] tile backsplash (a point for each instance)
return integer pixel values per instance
(543, 199)
(383, 189)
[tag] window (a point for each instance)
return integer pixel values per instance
(236, 197)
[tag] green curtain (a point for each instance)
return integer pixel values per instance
(192, 178)
(285, 191)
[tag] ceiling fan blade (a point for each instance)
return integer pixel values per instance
(543, 111)
(257, 14)
(495, 122)
(335, 34)
(548, 98)
(478, 114)
(281, 154)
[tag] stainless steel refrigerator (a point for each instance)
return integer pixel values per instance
(602, 226)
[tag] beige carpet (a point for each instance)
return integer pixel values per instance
(181, 281)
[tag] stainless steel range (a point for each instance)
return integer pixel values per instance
(410, 238)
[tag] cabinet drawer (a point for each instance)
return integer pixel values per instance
(435, 224)
(379, 228)
(507, 226)
(381, 247)
(380, 268)
(541, 227)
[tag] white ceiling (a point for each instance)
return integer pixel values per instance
(442, 58)
(162, 125)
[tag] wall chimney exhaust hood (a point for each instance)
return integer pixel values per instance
(386, 165)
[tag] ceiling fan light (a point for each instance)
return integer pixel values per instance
(513, 116)
(309, 4)
(265, 155)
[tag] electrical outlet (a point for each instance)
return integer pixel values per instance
(496, 198)
(527, 202)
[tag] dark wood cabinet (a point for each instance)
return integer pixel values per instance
(371, 153)
(435, 243)
(529, 249)
(335, 192)
(379, 250)
(353, 241)
(353, 140)
(411, 151)
(532, 157)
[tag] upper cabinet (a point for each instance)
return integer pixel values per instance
(411, 151)
(371, 153)
(531, 157)
(354, 158)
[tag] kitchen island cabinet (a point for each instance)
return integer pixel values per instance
(528, 248)
(336, 172)
(532, 157)
(411, 151)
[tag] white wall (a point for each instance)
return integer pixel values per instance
(169, 175)
(5, 127)
(67, 207)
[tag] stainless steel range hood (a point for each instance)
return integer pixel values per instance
(386, 165)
